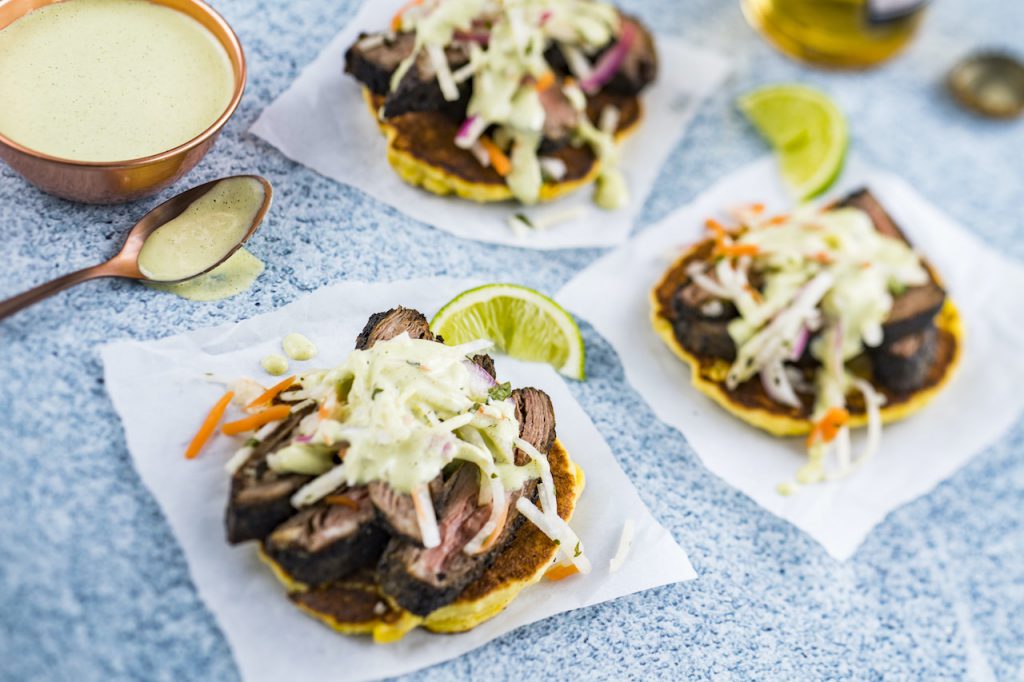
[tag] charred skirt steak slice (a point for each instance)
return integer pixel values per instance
(914, 309)
(329, 540)
(902, 365)
(375, 57)
(260, 497)
(396, 510)
(388, 325)
(423, 580)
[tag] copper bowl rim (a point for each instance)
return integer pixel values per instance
(234, 45)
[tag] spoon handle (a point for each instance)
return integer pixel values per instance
(23, 300)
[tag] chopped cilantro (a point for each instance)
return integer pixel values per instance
(576, 552)
(558, 542)
(500, 392)
(525, 220)
(494, 475)
(375, 392)
(252, 442)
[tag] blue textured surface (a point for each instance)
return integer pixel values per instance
(93, 586)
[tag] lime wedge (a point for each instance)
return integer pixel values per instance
(521, 322)
(807, 131)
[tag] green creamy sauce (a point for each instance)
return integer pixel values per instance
(274, 364)
(230, 278)
(298, 347)
(612, 192)
(204, 233)
(110, 80)
(405, 409)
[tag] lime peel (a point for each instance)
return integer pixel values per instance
(520, 321)
(807, 131)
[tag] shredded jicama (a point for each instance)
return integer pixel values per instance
(320, 487)
(426, 517)
(625, 544)
(445, 79)
(569, 545)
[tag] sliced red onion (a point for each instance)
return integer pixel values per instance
(304, 438)
(776, 384)
(800, 344)
(611, 61)
(470, 131)
(481, 375)
(545, 16)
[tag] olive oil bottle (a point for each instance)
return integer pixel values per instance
(837, 33)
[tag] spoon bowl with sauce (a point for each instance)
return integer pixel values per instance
(187, 236)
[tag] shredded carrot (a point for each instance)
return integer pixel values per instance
(716, 227)
(735, 250)
(255, 421)
(271, 393)
(822, 257)
(341, 500)
(396, 20)
(561, 572)
(498, 159)
(754, 293)
(757, 208)
(778, 220)
(829, 426)
(328, 407)
(546, 80)
(209, 424)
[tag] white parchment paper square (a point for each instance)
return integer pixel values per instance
(159, 391)
(983, 400)
(321, 121)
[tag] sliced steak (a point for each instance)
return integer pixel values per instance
(419, 91)
(396, 510)
(329, 540)
(560, 119)
(640, 67)
(536, 417)
(373, 58)
(486, 363)
(388, 325)
(914, 310)
(423, 580)
(903, 365)
(260, 497)
(866, 201)
(702, 322)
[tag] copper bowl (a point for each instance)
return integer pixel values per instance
(114, 182)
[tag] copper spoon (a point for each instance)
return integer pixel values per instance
(126, 262)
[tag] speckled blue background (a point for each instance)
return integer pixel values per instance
(93, 586)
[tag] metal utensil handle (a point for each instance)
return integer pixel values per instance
(23, 300)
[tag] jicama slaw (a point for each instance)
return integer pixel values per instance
(401, 412)
(506, 42)
(826, 280)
